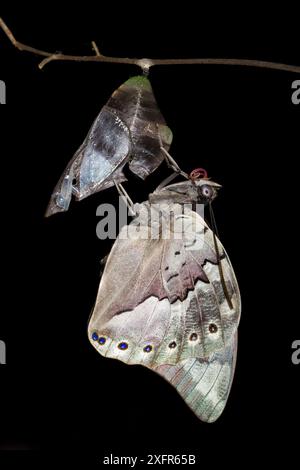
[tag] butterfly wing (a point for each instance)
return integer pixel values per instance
(204, 384)
(96, 163)
(161, 303)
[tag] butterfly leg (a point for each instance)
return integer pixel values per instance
(170, 160)
(126, 198)
(172, 163)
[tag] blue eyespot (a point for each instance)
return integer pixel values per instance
(95, 336)
(123, 345)
(147, 348)
(102, 340)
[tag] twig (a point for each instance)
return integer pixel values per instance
(143, 63)
(95, 47)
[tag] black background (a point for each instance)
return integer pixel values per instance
(57, 394)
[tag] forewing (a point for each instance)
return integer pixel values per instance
(159, 293)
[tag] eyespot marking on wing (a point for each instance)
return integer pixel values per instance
(95, 336)
(193, 337)
(213, 328)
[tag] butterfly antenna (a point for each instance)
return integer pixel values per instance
(215, 235)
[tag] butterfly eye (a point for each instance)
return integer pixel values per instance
(207, 191)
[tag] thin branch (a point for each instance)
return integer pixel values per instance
(145, 64)
(95, 47)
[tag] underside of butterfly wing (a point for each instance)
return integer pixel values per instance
(204, 384)
(169, 311)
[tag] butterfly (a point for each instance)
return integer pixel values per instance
(169, 300)
(129, 129)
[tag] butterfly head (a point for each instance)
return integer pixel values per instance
(206, 190)
(198, 188)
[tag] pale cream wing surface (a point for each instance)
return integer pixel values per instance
(161, 304)
(204, 384)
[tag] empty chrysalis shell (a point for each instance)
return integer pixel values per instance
(128, 129)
